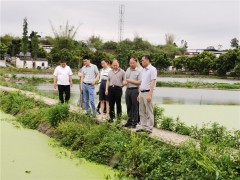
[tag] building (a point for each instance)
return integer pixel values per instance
(47, 48)
(3, 63)
(27, 62)
(40, 63)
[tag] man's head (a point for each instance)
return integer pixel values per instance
(146, 60)
(63, 63)
(133, 62)
(115, 64)
(86, 60)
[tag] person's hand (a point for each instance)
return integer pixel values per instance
(106, 92)
(71, 84)
(124, 83)
(55, 86)
(94, 82)
(149, 98)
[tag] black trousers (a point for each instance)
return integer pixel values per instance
(64, 89)
(132, 106)
(115, 95)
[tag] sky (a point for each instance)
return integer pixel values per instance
(200, 23)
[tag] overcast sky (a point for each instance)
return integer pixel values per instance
(200, 23)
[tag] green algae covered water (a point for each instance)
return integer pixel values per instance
(26, 154)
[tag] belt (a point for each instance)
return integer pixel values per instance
(115, 86)
(144, 90)
(132, 88)
(87, 83)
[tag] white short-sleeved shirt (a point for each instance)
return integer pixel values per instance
(62, 75)
(148, 74)
(104, 73)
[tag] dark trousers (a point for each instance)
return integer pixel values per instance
(132, 106)
(64, 89)
(115, 95)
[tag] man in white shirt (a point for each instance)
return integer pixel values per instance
(63, 79)
(149, 76)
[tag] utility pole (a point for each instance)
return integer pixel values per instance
(121, 22)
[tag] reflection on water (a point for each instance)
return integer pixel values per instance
(170, 95)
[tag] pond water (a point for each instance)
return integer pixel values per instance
(26, 154)
(165, 95)
(163, 79)
(228, 116)
(193, 106)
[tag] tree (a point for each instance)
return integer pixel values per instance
(234, 43)
(206, 62)
(25, 37)
(35, 45)
(160, 60)
(3, 50)
(64, 36)
(95, 42)
(169, 38)
(226, 62)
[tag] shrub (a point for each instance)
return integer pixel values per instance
(33, 118)
(15, 103)
(167, 123)
(58, 113)
(158, 115)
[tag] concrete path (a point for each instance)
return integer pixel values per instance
(162, 135)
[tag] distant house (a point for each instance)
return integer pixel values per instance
(28, 62)
(47, 48)
(194, 52)
(3, 63)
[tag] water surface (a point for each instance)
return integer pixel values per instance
(26, 154)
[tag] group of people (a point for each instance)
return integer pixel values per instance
(140, 82)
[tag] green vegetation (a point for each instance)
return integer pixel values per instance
(199, 85)
(136, 156)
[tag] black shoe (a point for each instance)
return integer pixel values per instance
(131, 126)
(127, 124)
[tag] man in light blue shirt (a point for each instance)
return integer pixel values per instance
(149, 76)
(90, 75)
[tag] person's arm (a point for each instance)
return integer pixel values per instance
(137, 82)
(107, 85)
(152, 85)
(55, 82)
(81, 83)
(70, 79)
(96, 76)
(124, 82)
(79, 74)
(55, 78)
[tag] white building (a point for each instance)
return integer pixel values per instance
(3, 63)
(47, 48)
(41, 63)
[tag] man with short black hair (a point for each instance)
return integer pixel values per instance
(90, 75)
(63, 79)
(133, 80)
(116, 80)
(149, 76)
